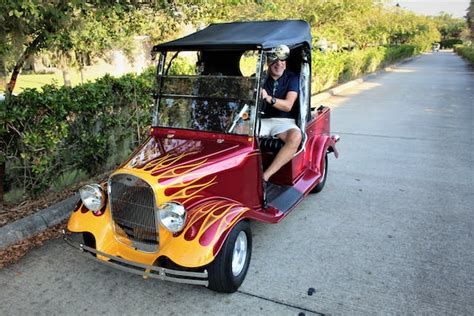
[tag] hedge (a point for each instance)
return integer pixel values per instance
(449, 43)
(466, 52)
(89, 128)
(332, 68)
(58, 135)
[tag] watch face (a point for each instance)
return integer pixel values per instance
(274, 100)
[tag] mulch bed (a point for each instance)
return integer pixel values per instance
(10, 212)
(15, 252)
(13, 212)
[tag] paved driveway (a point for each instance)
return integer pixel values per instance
(392, 232)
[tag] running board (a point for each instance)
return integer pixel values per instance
(283, 197)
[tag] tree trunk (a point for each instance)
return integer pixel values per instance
(3, 86)
(30, 50)
(2, 180)
(3, 66)
(82, 74)
(33, 47)
(3, 75)
(66, 77)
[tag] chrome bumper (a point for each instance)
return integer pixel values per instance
(147, 271)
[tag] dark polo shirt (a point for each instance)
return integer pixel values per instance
(279, 88)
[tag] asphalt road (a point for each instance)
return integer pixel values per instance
(392, 232)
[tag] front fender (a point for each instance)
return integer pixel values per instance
(208, 224)
(320, 147)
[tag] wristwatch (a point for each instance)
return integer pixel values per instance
(274, 100)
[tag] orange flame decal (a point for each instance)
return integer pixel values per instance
(210, 220)
(184, 182)
(179, 181)
(163, 162)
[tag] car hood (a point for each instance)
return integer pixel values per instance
(160, 155)
(181, 162)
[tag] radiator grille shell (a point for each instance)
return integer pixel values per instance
(133, 209)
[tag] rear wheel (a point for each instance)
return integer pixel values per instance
(228, 270)
(321, 184)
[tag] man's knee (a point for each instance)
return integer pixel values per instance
(294, 138)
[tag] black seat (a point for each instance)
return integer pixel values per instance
(270, 144)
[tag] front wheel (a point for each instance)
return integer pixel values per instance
(321, 183)
(228, 270)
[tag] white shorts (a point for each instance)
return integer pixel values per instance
(276, 125)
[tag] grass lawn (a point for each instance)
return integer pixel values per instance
(36, 81)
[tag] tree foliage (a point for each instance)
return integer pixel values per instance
(470, 18)
(448, 26)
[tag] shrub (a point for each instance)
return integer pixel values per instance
(327, 69)
(465, 51)
(62, 129)
(449, 43)
(68, 178)
(332, 68)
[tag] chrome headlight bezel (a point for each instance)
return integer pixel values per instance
(92, 196)
(172, 216)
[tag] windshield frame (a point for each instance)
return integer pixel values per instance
(159, 95)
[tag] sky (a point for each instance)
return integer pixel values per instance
(432, 7)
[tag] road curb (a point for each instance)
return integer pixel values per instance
(31, 225)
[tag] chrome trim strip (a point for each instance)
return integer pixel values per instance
(155, 272)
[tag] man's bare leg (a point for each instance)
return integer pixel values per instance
(292, 139)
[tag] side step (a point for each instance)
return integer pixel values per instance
(282, 197)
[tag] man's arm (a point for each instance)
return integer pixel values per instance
(285, 104)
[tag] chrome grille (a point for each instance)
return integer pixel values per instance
(132, 204)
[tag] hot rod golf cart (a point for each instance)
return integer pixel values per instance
(179, 208)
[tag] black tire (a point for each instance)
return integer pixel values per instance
(221, 276)
(321, 184)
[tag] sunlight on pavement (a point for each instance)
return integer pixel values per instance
(401, 70)
(339, 99)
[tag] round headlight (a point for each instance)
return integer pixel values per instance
(172, 216)
(92, 196)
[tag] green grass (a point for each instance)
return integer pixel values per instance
(36, 81)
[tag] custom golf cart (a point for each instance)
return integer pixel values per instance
(179, 208)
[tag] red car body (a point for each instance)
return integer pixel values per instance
(235, 162)
(178, 208)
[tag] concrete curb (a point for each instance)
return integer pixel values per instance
(31, 225)
(48, 217)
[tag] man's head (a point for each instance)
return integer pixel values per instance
(276, 66)
(277, 60)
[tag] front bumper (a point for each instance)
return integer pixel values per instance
(147, 271)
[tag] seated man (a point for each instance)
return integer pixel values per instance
(280, 92)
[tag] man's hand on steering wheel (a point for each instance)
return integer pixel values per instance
(264, 97)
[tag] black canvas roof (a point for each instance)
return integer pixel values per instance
(243, 35)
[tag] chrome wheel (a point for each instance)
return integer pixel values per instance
(229, 268)
(240, 253)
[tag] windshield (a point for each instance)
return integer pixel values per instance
(197, 99)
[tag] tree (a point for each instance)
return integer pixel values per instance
(73, 31)
(448, 26)
(470, 18)
(28, 26)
